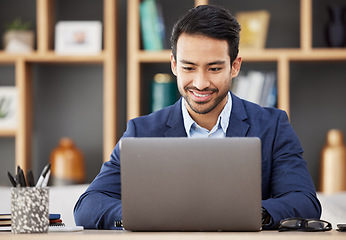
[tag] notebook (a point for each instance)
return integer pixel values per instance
(191, 184)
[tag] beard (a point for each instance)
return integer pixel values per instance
(207, 106)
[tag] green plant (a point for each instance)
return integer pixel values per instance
(17, 24)
(4, 107)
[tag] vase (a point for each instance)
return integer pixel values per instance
(333, 163)
(67, 164)
(335, 28)
(19, 41)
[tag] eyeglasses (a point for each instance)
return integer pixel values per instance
(306, 225)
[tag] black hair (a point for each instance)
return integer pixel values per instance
(210, 21)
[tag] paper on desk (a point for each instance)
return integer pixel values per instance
(65, 229)
(333, 207)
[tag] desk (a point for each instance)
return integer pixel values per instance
(120, 235)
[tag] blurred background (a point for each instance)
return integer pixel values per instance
(68, 98)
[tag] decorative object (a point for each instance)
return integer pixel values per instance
(254, 28)
(335, 31)
(29, 210)
(8, 107)
(164, 91)
(333, 163)
(18, 38)
(78, 37)
(67, 163)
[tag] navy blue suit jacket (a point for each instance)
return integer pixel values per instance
(287, 187)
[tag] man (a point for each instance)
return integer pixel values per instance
(205, 59)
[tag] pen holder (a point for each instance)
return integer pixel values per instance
(29, 210)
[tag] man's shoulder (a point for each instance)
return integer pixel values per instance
(252, 110)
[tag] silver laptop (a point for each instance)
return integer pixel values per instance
(190, 184)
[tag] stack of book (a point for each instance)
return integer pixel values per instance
(55, 220)
(257, 87)
(5, 221)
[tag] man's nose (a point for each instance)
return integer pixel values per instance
(201, 81)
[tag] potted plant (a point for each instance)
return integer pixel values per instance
(18, 37)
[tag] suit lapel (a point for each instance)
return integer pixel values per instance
(237, 126)
(175, 122)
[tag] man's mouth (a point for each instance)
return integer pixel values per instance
(201, 95)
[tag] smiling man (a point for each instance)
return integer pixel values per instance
(204, 72)
(205, 59)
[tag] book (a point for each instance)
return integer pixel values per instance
(5, 216)
(152, 27)
(55, 224)
(5, 222)
(269, 94)
(257, 87)
(52, 216)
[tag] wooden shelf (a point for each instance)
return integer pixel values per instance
(318, 54)
(282, 56)
(51, 57)
(45, 54)
(8, 133)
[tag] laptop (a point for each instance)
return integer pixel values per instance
(191, 184)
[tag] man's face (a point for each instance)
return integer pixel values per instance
(204, 72)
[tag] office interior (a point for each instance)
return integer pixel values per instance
(68, 98)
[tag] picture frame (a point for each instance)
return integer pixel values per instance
(78, 37)
(8, 108)
(254, 29)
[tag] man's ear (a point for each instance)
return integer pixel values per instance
(173, 65)
(236, 67)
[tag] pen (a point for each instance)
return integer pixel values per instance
(30, 178)
(43, 175)
(46, 179)
(21, 178)
(12, 180)
(17, 175)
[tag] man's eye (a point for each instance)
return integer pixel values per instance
(215, 69)
(188, 68)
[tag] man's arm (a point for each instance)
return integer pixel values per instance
(292, 190)
(100, 205)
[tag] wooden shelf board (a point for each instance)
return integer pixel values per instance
(51, 57)
(317, 54)
(266, 54)
(321, 54)
(8, 132)
(292, 54)
(8, 58)
(154, 56)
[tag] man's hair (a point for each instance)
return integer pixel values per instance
(210, 21)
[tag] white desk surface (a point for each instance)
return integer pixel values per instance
(119, 235)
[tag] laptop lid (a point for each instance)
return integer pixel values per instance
(191, 184)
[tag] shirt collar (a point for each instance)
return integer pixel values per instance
(223, 119)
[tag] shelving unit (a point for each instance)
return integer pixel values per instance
(44, 53)
(281, 56)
